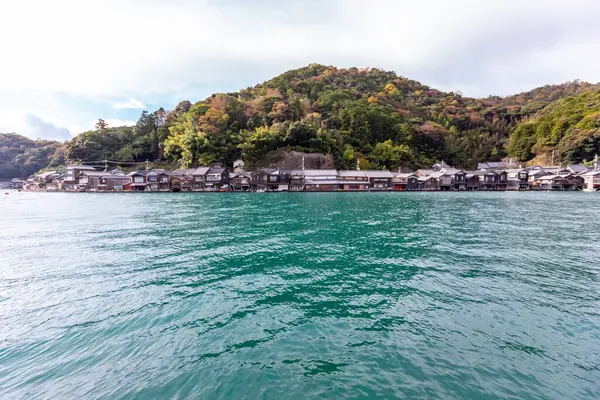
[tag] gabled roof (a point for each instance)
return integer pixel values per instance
(200, 171)
(265, 171)
(319, 172)
(216, 170)
(425, 171)
(184, 171)
(81, 167)
(404, 175)
(452, 171)
(351, 173)
(157, 172)
(592, 173)
(278, 172)
(46, 174)
(578, 168)
(138, 173)
(95, 173)
(555, 170)
(378, 174)
(240, 174)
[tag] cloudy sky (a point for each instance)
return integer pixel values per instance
(66, 63)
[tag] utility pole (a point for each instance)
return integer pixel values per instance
(596, 162)
(147, 165)
(302, 163)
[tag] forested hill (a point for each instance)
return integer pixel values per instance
(567, 129)
(21, 156)
(369, 116)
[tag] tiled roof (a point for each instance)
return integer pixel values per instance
(351, 173)
(200, 171)
(215, 170)
(379, 174)
(578, 168)
(81, 167)
(318, 172)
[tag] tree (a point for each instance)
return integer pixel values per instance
(101, 126)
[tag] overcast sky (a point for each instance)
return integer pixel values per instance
(66, 63)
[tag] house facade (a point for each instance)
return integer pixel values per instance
(494, 180)
(70, 181)
(278, 181)
(591, 181)
(199, 178)
(380, 180)
(217, 179)
(460, 180)
(158, 181)
(138, 181)
(260, 179)
(240, 181)
(517, 179)
(321, 180)
(405, 181)
(352, 180)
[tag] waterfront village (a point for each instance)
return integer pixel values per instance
(489, 176)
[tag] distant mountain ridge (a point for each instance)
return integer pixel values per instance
(367, 117)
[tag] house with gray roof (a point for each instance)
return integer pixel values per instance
(353, 180)
(216, 179)
(405, 181)
(591, 181)
(379, 180)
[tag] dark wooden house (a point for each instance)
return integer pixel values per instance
(217, 179)
(260, 179)
(460, 180)
(405, 181)
(380, 180)
(240, 181)
(278, 181)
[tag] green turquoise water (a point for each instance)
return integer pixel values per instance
(328, 295)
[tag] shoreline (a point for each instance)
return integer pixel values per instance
(301, 191)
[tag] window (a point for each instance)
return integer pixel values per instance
(152, 178)
(273, 178)
(138, 179)
(164, 179)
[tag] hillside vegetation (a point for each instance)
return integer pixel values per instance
(569, 128)
(369, 117)
(21, 156)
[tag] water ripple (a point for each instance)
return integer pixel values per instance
(342, 295)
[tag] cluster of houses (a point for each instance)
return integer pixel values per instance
(216, 178)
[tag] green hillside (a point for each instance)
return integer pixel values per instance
(21, 156)
(569, 128)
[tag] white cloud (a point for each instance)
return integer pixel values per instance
(113, 122)
(159, 52)
(131, 103)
